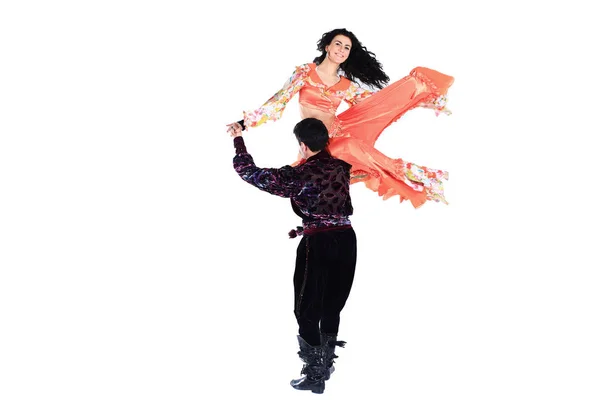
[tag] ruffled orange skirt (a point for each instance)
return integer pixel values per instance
(353, 136)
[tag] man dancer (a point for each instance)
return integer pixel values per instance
(319, 189)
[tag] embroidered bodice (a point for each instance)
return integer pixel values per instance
(314, 97)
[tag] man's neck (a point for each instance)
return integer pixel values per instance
(311, 153)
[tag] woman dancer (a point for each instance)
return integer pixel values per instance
(332, 78)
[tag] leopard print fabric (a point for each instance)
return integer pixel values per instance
(318, 188)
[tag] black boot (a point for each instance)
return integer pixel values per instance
(314, 380)
(329, 341)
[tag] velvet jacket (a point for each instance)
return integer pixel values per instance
(319, 188)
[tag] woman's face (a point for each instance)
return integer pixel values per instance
(339, 49)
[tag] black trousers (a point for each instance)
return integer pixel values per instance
(325, 265)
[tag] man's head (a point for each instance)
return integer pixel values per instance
(312, 136)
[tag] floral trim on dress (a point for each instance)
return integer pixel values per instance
(273, 108)
(434, 101)
(355, 94)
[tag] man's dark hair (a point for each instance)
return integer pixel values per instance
(313, 133)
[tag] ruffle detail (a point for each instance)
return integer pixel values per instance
(429, 179)
(421, 179)
(437, 85)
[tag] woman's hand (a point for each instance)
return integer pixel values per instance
(234, 129)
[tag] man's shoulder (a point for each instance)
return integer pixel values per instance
(325, 162)
(338, 161)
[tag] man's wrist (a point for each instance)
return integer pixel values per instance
(238, 143)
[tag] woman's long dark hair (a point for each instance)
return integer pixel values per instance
(361, 63)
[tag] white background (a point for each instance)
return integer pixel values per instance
(135, 264)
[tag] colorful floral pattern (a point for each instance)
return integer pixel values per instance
(274, 107)
(428, 179)
(356, 94)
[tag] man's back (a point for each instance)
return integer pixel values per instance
(325, 188)
(319, 188)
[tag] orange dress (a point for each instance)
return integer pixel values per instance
(353, 132)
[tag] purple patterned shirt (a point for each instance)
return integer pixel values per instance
(319, 188)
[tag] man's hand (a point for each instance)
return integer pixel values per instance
(234, 129)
